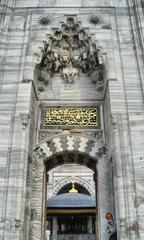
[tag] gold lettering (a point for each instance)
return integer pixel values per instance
(70, 117)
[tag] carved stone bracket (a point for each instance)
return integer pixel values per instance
(101, 151)
(25, 120)
(40, 153)
(70, 74)
(70, 51)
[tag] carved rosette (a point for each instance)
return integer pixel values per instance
(70, 51)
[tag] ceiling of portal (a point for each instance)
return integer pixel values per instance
(71, 157)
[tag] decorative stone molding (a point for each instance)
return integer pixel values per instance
(44, 135)
(70, 51)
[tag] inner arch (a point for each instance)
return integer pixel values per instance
(66, 188)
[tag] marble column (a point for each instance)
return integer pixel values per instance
(97, 209)
(104, 199)
(38, 197)
(128, 221)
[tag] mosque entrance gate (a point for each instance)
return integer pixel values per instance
(68, 148)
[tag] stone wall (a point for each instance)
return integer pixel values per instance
(119, 34)
(66, 3)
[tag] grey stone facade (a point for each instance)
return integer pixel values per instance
(25, 147)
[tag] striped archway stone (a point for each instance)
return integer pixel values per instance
(87, 185)
(70, 143)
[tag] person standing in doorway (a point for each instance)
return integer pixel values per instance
(111, 226)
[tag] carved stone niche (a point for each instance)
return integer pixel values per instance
(70, 51)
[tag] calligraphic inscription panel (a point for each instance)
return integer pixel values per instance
(69, 117)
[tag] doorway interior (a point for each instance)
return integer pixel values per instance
(71, 213)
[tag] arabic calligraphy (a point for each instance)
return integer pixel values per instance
(70, 117)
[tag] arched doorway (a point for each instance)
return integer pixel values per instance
(71, 213)
(62, 149)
